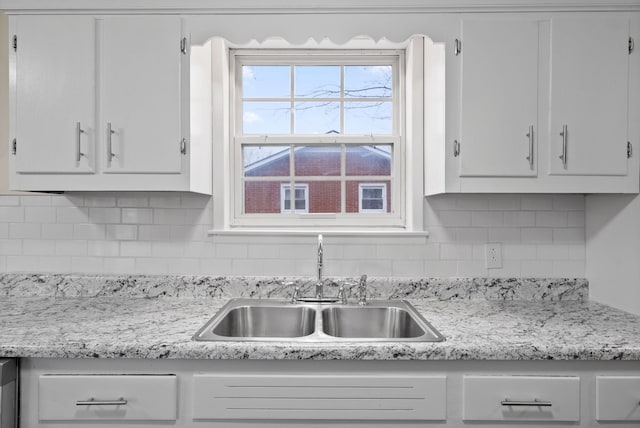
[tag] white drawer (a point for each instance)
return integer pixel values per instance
(65, 397)
(486, 398)
(320, 397)
(618, 398)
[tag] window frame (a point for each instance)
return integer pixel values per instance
(297, 186)
(362, 187)
(360, 220)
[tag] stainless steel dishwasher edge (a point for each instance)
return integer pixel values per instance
(8, 393)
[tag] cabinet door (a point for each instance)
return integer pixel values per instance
(589, 95)
(499, 98)
(55, 94)
(140, 94)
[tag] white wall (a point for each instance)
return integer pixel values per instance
(613, 250)
(166, 233)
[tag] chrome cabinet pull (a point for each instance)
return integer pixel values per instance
(93, 402)
(534, 403)
(530, 136)
(456, 148)
(564, 135)
(457, 47)
(79, 132)
(110, 132)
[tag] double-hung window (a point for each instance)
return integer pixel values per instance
(317, 138)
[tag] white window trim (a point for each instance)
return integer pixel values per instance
(382, 186)
(394, 220)
(297, 186)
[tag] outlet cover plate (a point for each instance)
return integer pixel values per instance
(493, 255)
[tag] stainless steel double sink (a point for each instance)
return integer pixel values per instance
(273, 320)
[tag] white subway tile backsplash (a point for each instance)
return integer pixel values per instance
(11, 214)
(135, 249)
(103, 248)
(132, 200)
(536, 203)
(122, 232)
(24, 230)
(104, 215)
(72, 215)
(88, 231)
(487, 218)
(59, 231)
(39, 214)
(169, 216)
(137, 215)
(551, 219)
(38, 247)
(73, 247)
(165, 232)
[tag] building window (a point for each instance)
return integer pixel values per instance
(372, 197)
(301, 198)
(322, 123)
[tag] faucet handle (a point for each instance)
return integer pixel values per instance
(296, 290)
(342, 295)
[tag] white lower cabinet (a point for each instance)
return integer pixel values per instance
(521, 398)
(107, 397)
(618, 398)
(320, 397)
(84, 392)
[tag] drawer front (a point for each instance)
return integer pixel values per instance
(69, 397)
(318, 397)
(487, 398)
(618, 398)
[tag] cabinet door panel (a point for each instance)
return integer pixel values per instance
(55, 89)
(499, 97)
(140, 92)
(589, 94)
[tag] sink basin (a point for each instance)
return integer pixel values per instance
(370, 322)
(273, 320)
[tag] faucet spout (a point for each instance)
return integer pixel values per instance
(319, 285)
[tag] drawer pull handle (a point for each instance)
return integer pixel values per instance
(93, 402)
(534, 403)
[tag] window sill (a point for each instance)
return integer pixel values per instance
(344, 233)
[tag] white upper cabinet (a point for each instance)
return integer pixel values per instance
(141, 94)
(589, 95)
(55, 85)
(499, 108)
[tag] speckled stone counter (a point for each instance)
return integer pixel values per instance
(57, 316)
(116, 327)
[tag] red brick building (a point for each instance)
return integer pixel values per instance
(316, 189)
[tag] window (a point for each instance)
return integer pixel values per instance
(324, 123)
(301, 198)
(372, 197)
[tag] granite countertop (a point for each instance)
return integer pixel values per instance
(129, 325)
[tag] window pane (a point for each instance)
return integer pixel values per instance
(317, 81)
(317, 160)
(372, 204)
(368, 118)
(266, 81)
(266, 118)
(368, 81)
(317, 118)
(368, 160)
(262, 197)
(266, 161)
(372, 193)
(324, 197)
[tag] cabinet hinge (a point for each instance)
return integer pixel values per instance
(456, 148)
(629, 149)
(183, 46)
(183, 146)
(631, 45)
(457, 47)
(14, 146)
(15, 43)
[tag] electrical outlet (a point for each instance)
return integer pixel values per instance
(493, 255)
